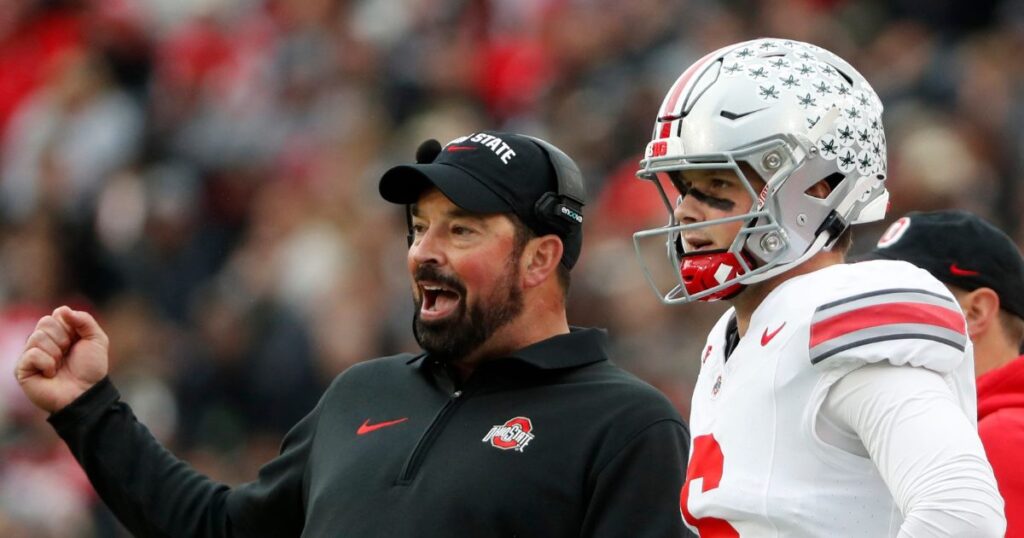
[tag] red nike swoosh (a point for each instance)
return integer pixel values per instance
(962, 272)
(767, 337)
(460, 148)
(367, 427)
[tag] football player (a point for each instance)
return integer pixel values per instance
(833, 399)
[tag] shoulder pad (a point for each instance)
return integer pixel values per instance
(902, 325)
(875, 311)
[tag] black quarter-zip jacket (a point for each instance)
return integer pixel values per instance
(553, 440)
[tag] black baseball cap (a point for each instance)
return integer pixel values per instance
(488, 172)
(960, 249)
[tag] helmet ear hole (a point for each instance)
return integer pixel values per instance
(834, 179)
(825, 187)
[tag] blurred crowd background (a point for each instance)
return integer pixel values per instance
(201, 174)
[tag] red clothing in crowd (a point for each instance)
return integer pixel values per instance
(1001, 426)
(28, 51)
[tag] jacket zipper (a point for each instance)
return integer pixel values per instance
(412, 465)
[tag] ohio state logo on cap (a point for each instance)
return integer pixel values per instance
(894, 232)
(514, 434)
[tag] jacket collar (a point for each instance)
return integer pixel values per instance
(579, 347)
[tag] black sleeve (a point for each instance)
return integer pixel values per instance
(155, 494)
(653, 467)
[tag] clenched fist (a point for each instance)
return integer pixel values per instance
(64, 356)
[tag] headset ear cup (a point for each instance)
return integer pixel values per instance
(558, 213)
(546, 209)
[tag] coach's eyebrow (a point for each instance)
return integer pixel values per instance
(454, 212)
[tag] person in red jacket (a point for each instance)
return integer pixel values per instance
(984, 269)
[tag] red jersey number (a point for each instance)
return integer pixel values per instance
(707, 463)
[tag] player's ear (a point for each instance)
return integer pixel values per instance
(540, 259)
(820, 189)
(981, 308)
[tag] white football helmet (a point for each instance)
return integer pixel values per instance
(796, 114)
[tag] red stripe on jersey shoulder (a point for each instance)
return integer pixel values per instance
(885, 314)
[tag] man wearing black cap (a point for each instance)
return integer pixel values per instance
(984, 270)
(510, 423)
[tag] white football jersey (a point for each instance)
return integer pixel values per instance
(757, 465)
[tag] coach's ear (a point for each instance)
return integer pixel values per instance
(540, 259)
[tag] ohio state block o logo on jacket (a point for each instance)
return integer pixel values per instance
(514, 434)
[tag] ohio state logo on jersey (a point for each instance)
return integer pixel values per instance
(514, 434)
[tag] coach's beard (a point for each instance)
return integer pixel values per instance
(454, 338)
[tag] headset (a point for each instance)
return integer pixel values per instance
(563, 209)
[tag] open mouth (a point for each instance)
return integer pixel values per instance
(439, 301)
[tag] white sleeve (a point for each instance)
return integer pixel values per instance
(924, 447)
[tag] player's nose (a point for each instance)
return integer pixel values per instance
(687, 210)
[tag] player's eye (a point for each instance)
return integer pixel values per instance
(717, 184)
(681, 185)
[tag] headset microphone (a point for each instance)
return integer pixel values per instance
(425, 154)
(428, 151)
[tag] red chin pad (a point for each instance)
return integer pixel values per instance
(699, 270)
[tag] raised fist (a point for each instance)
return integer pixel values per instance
(65, 356)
